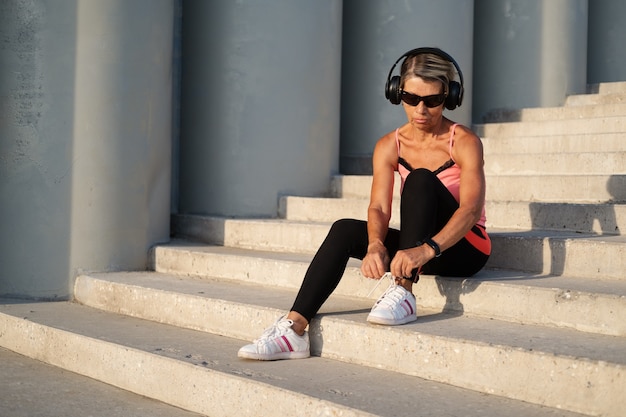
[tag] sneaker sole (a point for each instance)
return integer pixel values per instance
(274, 357)
(391, 322)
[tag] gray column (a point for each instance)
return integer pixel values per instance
(84, 139)
(260, 103)
(606, 60)
(528, 53)
(375, 34)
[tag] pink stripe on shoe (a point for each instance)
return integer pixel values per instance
(410, 309)
(287, 342)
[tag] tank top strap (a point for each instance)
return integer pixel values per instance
(398, 142)
(451, 141)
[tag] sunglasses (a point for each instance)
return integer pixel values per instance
(429, 101)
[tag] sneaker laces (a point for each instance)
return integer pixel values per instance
(392, 283)
(276, 329)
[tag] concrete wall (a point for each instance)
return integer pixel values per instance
(375, 35)
(607, 33)
(528, 53)
(260, 100)
(85, 96)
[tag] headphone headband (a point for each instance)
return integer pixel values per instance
(455, 90)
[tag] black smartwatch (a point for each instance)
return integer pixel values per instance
(433, 245)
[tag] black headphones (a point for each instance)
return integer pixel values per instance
(455, 90)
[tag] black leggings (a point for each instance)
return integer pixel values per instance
(426, 206)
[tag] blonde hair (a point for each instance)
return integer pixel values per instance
(430, 67)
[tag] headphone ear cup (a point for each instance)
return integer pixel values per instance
(455, 95)
(392, 90)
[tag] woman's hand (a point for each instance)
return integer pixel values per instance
(375, 262)
(407, 260)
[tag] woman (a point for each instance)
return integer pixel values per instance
(442, 209)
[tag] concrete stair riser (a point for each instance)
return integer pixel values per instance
(573, 188)
(595, 99)
(485, 367)
(605, 108)
(603, 258)
(533, 145)
(608, 88)
(561, 254)
(613, 124)
(268, 235)
(606, 163)
(492, 294)
(557, 188)
(602, 219)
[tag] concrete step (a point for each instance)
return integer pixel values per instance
(587, 372)
(605, 106)
(577, 303)
(596, 99)
(199, 371)
(590, 142)
(608, 88)
(602, 93)
(548, 188)
(602, 219)
(615, 124)
(553, 188)
(31, 388)
(558, 253)
(591, 163)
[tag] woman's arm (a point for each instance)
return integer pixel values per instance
(379, 210)
(468, 154)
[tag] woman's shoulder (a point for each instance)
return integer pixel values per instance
(388, 139)
(466, 144)
(462, 130)
(463, 135)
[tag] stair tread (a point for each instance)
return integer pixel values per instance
(351, 386)
(472, 330)
(32, 388)
(554, 234)
(492, 276)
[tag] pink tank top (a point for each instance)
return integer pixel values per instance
(449, 173)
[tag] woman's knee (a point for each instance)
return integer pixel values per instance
(419, 179)
(348, 228)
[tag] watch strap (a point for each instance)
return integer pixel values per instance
(433, 245)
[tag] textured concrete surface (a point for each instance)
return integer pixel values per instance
(30, 388)
(545, 252)
(487, 355)
(204, 364)
(576, 303)
(606, 218)
(553, 127)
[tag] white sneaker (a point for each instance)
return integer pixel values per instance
(395, 306)
(278, 342)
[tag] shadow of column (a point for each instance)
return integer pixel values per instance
(452, 289)
(584, 219)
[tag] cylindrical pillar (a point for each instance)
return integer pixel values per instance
(375, 35)
(529, 53)
(606, 61)
(260, 100)
(84, 139)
